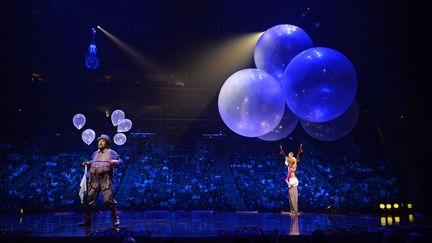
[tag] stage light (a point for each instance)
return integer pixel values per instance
(410, 218)
(382, 206)
(91, 60)
(389, 220)
(383, 221)
(396, 206)
(388, 206)
(409, 205)
(397, 219)
(98, 27)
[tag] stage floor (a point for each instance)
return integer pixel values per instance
(199, 223)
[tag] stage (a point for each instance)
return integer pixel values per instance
(200, 225)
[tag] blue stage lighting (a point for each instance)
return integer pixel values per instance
(91, 61)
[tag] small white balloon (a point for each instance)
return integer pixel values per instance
(88, 136)
(124, 125)
(117, 116)
(120, 139)
(79, 120)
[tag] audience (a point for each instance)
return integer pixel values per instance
(193, 180)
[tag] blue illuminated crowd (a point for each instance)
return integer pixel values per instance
(178, 181)
(196, 180)
(348, 186)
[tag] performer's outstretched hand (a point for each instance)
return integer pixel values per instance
(85, 164)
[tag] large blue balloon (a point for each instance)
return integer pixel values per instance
(285, 127)
(335, 129)
(251, 102)
(277, 46)
(319, 84)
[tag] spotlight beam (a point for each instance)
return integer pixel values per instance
(223, 58)
(227, 56)
(133, 53)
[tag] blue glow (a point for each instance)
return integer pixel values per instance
(92, 61)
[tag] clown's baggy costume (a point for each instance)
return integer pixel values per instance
(101, 179)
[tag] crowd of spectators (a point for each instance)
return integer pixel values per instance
(344, 185)
(178, 181)
(50, 183)
(192, 180)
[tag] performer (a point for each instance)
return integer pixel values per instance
(293, 193)
(291, 161)
(101, 179)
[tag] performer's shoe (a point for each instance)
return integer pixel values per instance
(114, 215)
(86, 222)
(116, 222)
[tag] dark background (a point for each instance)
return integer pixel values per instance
(50, 39)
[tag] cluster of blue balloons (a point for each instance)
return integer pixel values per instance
(117, 119)
(123, 125)
(294, 81)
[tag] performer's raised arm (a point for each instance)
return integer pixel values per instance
(300, 151)
(281, 152)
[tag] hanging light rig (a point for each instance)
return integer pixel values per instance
(91, 61)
